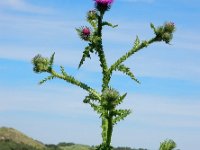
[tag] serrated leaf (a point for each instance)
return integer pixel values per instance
(51, 59)
(96, 108)
(86, 54)
(46, 79)
(127, 71)
(109, 24)
(63, 71)
(120, 114)
(120, 99)
(137, 42)
(152, 26)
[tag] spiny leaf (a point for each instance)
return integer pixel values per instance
(63, 71)
(127, 71)
(46, 79)
(72, 80)
(96, 108)
(137, 42)
(90, 97)
(120, 99)
(51, 59)
(86, 54)
(167, 145)
(153, 27)
(120, 115)
(109, 24)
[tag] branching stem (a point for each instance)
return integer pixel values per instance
(73, 81)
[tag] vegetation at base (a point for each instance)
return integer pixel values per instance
(11, 139)
(11, 145)
(167, 145)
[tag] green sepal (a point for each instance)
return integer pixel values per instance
(46, 79)
(105, 23)
(126, 71)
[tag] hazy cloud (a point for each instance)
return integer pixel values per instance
(22, 6)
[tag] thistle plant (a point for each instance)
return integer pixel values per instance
(167, 145)
(106, 101)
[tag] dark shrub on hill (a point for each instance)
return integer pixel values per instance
(65, 144)
(128, 148)
(52, 147)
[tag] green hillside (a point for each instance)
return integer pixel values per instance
(10, 134)
(76, 147)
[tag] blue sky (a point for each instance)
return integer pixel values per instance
(165, 105)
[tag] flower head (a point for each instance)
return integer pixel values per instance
(110, 97)
(167, 37)
(106, 2)
(169, 27)
(164, 32)
(40, 63)
(84, 33)
(103, 5)
(92, 15)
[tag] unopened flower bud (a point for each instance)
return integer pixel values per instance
(92, 15)
(169, 27)
(110, 94)
(40, 63)
(84, 33)
(167, 37)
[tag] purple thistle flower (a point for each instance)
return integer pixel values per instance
(86, 31)
(103, 5)
(105, 2)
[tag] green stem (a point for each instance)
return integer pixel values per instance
(109, 130)
(128, 54)
(73, 81)
(104, 129)
(101, 54)
(104, 67)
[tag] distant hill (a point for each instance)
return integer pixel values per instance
(10, 134)
(11, 139)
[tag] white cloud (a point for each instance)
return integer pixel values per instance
(63, 100)
(183, 66)
(153, 115)
(23, 6)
